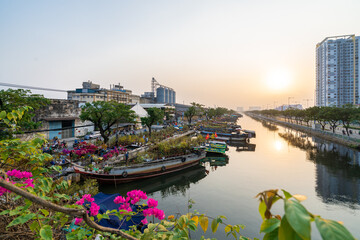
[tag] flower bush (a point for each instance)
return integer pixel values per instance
(14, 177)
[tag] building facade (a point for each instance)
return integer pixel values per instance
(337, 71)
(61, 119)
(91, 92)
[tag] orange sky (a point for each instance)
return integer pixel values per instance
(212, 52)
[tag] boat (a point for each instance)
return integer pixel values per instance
(148, 169)
(241, 135)
(216, 147)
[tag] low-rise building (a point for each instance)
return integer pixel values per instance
(61, 118)
(91, 92)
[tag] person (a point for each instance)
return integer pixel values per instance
(127, 157)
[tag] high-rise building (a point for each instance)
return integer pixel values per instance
(337, 71)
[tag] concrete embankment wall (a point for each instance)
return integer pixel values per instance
(345, 140)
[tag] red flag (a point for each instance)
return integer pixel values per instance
(215, 135)
(207, 137)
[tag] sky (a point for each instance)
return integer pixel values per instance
(215, 52)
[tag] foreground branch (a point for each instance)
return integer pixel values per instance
(81, 213)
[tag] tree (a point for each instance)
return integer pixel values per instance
(347, 114)
(200, 110)
(104, 115)
(190, 113)
(333, 117)
(154, 115)
(14, 99)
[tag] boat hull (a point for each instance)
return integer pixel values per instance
(152, 169)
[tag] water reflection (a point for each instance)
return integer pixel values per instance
(243, 146)
(170, 184)
(213, 160)
(337, 168)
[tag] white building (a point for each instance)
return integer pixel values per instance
(293, 106)
(337, 71)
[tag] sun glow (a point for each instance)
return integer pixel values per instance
(278, 79)
(278, 145)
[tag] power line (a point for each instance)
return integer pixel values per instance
(31, 87)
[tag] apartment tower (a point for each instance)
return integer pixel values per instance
(337, 71)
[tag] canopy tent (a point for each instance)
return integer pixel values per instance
(139, 110)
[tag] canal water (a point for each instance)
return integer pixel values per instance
(328, 174)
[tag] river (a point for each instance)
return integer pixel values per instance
(328, 174)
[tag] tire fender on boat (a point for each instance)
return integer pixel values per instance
(163, 168)
(124, 174)
(183, 159)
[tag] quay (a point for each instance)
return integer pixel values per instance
(329, 136)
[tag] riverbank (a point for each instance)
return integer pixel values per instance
(344, 140)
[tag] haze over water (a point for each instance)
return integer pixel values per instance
(331, 182)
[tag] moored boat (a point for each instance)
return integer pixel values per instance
(151, 168)
(235, 136)
(216, 147)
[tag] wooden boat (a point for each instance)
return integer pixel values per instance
(148, 169)
(243, 135)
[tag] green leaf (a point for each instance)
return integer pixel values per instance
(262, 209)
(333, 230)
(286, 194)
(45, 212)
(2, 115)
(286, 232)
(298, 217)
(46, 232)
(269, 225)
(214, 225)
(228, 228)
(21, 219)
(34, 226)
(5, 212)
(272, 235)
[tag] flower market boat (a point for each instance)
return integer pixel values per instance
(216, 147)
(241, 135)
(148, 169)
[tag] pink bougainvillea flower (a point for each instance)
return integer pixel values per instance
(144, 221)
(152, 203)
(29, 182)
(158, 213)
(137, 193)
(80, 202)
(148, 212)
(119, 199)
(94, 209)
(88, 198)
(78, 220)
(125, 206)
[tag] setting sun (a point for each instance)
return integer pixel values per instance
(278, 79)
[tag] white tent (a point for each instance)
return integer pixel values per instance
(139, 110)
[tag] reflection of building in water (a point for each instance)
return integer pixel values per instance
(337, 172)
(334, 186)
(337, 168)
